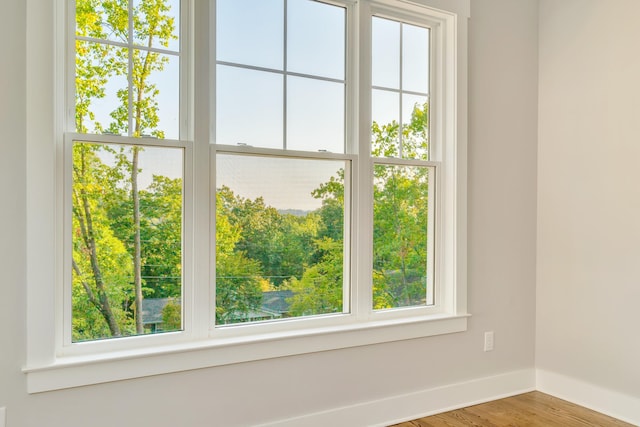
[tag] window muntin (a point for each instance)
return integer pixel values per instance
(279, 237)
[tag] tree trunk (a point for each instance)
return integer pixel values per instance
(86, 226)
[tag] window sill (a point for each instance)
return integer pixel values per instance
(76, 371)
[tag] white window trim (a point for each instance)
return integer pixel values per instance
(47, 368)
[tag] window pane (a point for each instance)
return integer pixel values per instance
(159, 101)
(125, 283)
(385, 66)
(385, 115)
(400, 237)
(157, 24)
(316, 38)
(103, 20)
(415, 127)
(102, 95)
(249, 107)
(315, 115)
(250, 32)
(279, 238)
(415, 58)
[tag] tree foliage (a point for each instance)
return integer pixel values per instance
(320, 289)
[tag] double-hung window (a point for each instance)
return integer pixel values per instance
(243, 179)
(126, 199)
(283, 172)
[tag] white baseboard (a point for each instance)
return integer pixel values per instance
(608, 402)
(418, 404)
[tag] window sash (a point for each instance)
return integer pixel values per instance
(67, 345)
(184, 53)
(432, 285)
(348, 287)
(347, 80)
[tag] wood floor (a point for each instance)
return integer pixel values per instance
(530, 409)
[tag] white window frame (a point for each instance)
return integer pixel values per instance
(53, 363)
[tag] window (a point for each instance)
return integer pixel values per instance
(281, 167)
(127, 189)
(403, 213)
(296, 176)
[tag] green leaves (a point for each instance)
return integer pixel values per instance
(414, 143)
(320, 289)
(400, 217)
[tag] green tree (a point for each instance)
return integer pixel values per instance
(238, 278)
(319, 291)
(100, 260)
(171, 316)
(332, 211)
(161, 232)
(281, 243)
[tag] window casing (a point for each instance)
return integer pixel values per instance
(201, 342)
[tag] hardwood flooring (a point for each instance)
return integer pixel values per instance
(533, 409)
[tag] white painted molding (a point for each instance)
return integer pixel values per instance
(418, 404)
(605, 401)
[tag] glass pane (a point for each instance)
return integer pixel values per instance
(249, 107)
(385, 115)
(400, 240)
(102, 95)
(385, 55)
(250, 32)
(315, 115)
(415, 127)
(316, 38)
(103, 20)
(124, 282)
(415, 58)
(157, 24)
(279, 238)
(156, 107)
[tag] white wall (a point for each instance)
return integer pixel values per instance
(12, 203)
(588, 275)
(502, 221)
